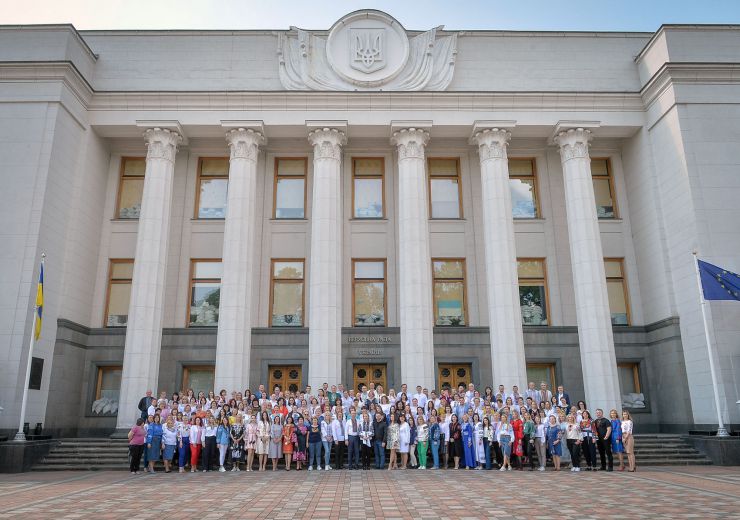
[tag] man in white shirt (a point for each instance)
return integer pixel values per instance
(414, 406)
(404, 390)
(340, 437)
(515, 395)
(420, 398)
(470, 394)
(532, 392)
(352, 428)
(545, 394)
(347, 399)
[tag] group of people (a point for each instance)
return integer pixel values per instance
(336, 428)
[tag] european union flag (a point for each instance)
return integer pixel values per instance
(718, 283)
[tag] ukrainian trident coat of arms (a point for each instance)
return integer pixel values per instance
(367, 49)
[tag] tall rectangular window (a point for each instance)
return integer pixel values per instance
(368, 290)
(286, 294)
(542, 373)
(290, 187)
(617, 290)
(532, 290)
(212, 186)
(444, 188)
(120, 274)
(130, 187)
(205, 293)
(601, 173)
(367, 187)
(199, 378)
(449, 291)
(523, 186)
(107, 390)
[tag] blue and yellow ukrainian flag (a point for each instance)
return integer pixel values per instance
(39, 302)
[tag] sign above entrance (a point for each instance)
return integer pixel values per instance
(366, 50)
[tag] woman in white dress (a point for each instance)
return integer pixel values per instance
(263, 439)
(404, 438)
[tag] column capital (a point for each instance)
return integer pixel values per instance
(573, 137)
(162, 143)
(244, 143)
(410, 142)
(327, 142)
(492, 143)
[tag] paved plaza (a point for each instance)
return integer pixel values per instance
(676, 492)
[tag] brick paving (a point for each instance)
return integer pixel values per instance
(666, 492)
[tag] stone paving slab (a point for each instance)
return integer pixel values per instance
(673, 492)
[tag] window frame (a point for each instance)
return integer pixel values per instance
(635, 366)
(192, 280)
(199, 180)
(624, 288)
(550, 366)
(287, 280)
(111, 281)
(464, 286)
(99, 380)
(371, 280)
(535, 183)
(186, 373)
(544, 281)
(382, 186)
(121, 171)
(457, 177)
(610, 176)
(277, 177)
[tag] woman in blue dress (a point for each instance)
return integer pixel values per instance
(553, 434)
(617, 446)
(154, 442)
(468, 434)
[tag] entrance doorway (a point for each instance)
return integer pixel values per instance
(287, 377)
(366, 374)
(450, 375)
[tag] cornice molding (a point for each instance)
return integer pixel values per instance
(686, 74)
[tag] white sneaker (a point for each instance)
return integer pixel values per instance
(310, 468)
(508, 469)
(503, 468)
(222, 469)
(578, 469)
(541, 468)
(327, 468)
(233, 470)
(318, 468)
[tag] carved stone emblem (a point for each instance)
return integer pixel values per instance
(366, 48)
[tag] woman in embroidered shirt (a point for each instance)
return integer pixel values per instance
(456, 440)
(468, 439)
(154, 441)
(517, 450)
(628, 440)
(422, 437)
(251, 434)
(301, 438)
(276, 440)
(480, 449)
(487, 440)
(404, 438)
(574, 438)
(588, 446)
(183, 442)
(289, 439)
(236, 435)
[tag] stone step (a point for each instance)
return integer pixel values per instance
(74, 460)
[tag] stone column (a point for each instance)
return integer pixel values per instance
(589, 279)
(502, 281)
(233, 347)
(414, 260)
(325, 267)
(144, 328)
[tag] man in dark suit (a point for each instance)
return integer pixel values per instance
(563, 394)
(144, 404)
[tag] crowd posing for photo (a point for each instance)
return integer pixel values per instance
(335, 428)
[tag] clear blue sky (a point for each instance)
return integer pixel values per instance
(610, 15)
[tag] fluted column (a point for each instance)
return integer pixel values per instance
(502, 281)
(589, 279)
(414, 260)
(233, 346)
(144, 328)
(325, 267)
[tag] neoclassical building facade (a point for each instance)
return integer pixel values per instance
(223, 209)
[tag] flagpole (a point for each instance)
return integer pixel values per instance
(20, 436)
(721, 430)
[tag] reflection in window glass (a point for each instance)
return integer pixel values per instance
(523, 188)
(205, 293)
(532, 292)
(444, 188)
(287, 294)
(368, 187)
(132, 187)
(617, 292)
(213, 182)
(603, 188)
(369, 293)
(119, 292)
(539, 372)
(290, 188)
(449, 292)
(107, 391)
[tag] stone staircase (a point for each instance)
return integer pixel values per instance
(112, 454)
